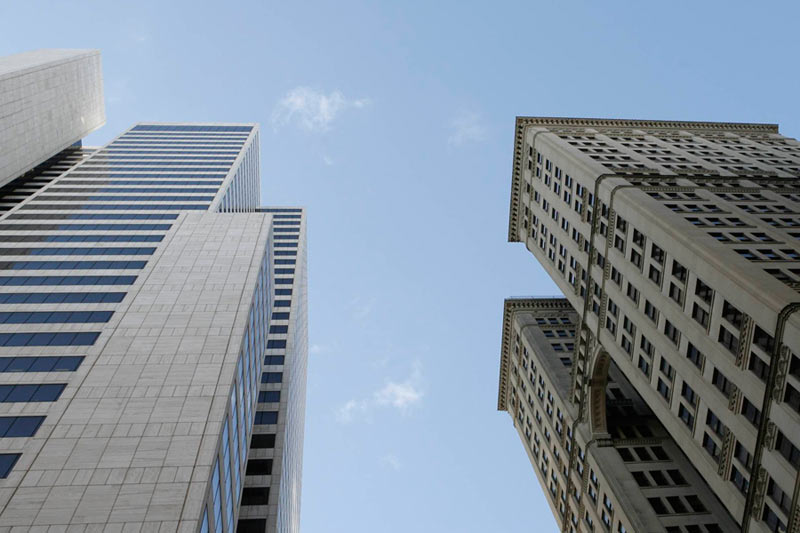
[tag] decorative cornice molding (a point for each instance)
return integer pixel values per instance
(647, 124)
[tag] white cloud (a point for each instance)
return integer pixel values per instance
(312, 110)
(327, 160)
(400, 395)
(361, 308)
(391, 461)
(349, 410)
(466, 128)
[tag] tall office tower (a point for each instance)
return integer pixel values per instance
(272, 503)
(677, 248)
(49, 100)
(136, 321)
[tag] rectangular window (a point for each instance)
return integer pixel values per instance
(45, 392)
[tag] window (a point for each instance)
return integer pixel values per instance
(269, 396)
(266, 417)
(694, 355)
(262, 440)
(46, 392)
(7, 462)
(633, 293)
(787, 449)
(721, 382)
(715, 424)
(743, 456)
(651, 311)
(663, 389)
(686, 416)
(758, 367)
(710, 446)
(751, 412)
(728, 340)
(676, 293)
(679, 271)
(700, 315)
(657, 254)
(741, 482)
(636, 258)
(40, 364)
(259, 467)
(689, 393)
(255, 495)
(792, 397)
(19, 426)
(732, 315)
(703, 291)
(671, 332)
(654, 275)
(271, 377)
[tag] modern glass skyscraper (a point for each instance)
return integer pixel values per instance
(152, 338)
(663, 392)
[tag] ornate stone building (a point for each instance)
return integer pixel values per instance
(677, 247)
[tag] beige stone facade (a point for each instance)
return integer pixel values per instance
(678, 246)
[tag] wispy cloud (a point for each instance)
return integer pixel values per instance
(465, 128)
(361, 308)
(312, 110)
(403, 396)
(351, 409)
(391, 461)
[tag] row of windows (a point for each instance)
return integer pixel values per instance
(137, 175)
(189, 127)
(98, 182)
(72, 265)
(55, 317)
(115, 149)
(123, 198)
(92, 216)
(84, 338)
(163, 190)
(16, 281)
(44, 392)
(81, 238)
(115, 207)
(127, 250)
(84, 227)
(151, 165)
(159, 159)
(19, 426)
(60, 297)
(63, 363)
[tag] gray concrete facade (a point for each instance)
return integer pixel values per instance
(677, 245)
(49, 100)
(136, 300)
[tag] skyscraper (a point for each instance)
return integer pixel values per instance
(49, 100)
(672, 362)
(137, 372)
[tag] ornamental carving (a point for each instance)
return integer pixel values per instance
(733, 399)
(745, 340)
(725, 455)
(760, 491)
(780, 373)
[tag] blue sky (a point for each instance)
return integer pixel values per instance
(393, 124)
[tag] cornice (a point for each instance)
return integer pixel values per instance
(510, 307)
(647, 124)
(516, 171)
